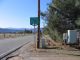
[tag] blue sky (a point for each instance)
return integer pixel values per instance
(17, 13)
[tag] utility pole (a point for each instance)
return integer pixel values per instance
(38, 38)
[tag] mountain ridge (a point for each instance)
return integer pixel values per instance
(11, 30)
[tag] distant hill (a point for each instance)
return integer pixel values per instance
(7, 30)
(12, 30)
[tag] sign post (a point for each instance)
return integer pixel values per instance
(34, 22)
(38, 23)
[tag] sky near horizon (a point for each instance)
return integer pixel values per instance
(17, 13)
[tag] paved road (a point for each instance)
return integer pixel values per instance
(8, 45)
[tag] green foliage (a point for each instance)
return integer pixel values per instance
(46, 31)
(62, 15)
(66, 14)
(27, 31)
(55, 36)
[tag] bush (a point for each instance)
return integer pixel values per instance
(55, 35)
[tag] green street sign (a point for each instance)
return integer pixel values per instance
(34, 21)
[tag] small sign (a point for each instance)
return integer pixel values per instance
(34, 21)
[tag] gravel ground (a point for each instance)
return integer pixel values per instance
(28, 52)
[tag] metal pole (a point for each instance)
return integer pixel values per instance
(34, 37)
(38, 38)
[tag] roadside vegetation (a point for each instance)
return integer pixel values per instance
(61, 15)
(14, 34)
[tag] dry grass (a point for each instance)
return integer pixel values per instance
(51, 44)
(10, 35)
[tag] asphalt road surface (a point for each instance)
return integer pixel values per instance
(8, 45)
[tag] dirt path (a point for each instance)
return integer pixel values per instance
(28, 53)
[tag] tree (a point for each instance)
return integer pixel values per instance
(63, 15)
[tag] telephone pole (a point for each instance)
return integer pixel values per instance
(38, 38)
